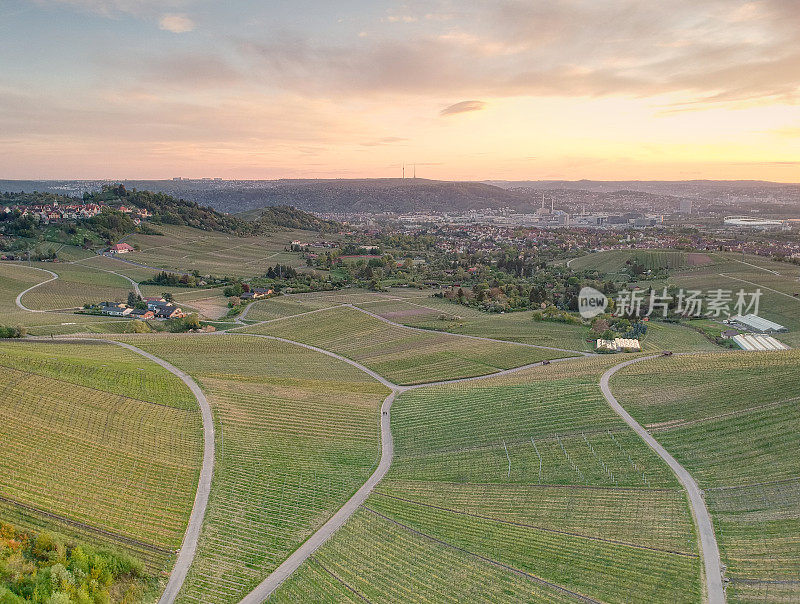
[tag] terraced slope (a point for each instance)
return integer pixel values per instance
(614, 261)
(297, 434)
(442, 315)
(732, 420)
(76, 285)
(97, 440)
(186, 249)
(404, 356)
(524, 487)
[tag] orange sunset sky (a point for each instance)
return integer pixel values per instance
(565, 89)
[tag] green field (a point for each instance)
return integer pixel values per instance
(76, 285)
(186, 249)
(442, 315)
(404, 356)
(297, 434)
(615, 261)
(15, 278)
(730, 273)
(732, 420)
(468, 513)
(107, 441)
(677, 338)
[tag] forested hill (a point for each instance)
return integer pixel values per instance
(167, 209)
(161, 208)
(317, 195)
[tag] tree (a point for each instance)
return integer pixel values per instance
(132, 298)
(168, 297)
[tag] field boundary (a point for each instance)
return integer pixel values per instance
(193, 529)
(464, 335)
(19, 296)
(264, 589)
(705, 527)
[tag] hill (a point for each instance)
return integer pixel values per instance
(314, 195)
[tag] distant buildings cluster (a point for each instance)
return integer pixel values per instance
(56, 212)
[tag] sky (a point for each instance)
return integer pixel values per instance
(463, 89)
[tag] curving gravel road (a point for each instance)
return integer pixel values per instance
(19, 296)
(708, 540)
(191, 536)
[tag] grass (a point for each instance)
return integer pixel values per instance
(677, 338)
(466, 514)
(297, 434)
(402, 355)
(102, 438)
(742, 450)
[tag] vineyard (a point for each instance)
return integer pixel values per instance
(615, 261)
(99, 440)
(678, 338)
(525, 484)
(442, 315)
(185, 249)
(76, 285)
(404, 356)
(732, 420)
(297, 434)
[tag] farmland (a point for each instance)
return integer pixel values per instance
(526, 481)
(98, 441)
(742, 450)
(297, 434)
(76, 285)
(402, 355)
(185, 249)
(15, 278)
(615, 261)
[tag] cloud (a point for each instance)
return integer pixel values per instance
(463, 107)
(386, 140)
(110, 8)
(709, 54)
(176, 23)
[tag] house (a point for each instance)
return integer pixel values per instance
(115, 311)
(261, 292)
(619, 344)
(142, 313)
(247, 296)
(165, 310)
(154, 299)
(121, 248)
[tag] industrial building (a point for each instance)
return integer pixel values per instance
(756, 324)
(749, 341)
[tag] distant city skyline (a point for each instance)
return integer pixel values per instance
(507, 90)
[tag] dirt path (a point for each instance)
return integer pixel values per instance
(702, 519)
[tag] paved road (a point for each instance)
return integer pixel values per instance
(296, 559)
(19, 297)
(708, 540)
(189, 546)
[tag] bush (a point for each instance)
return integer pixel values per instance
(12, 332)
